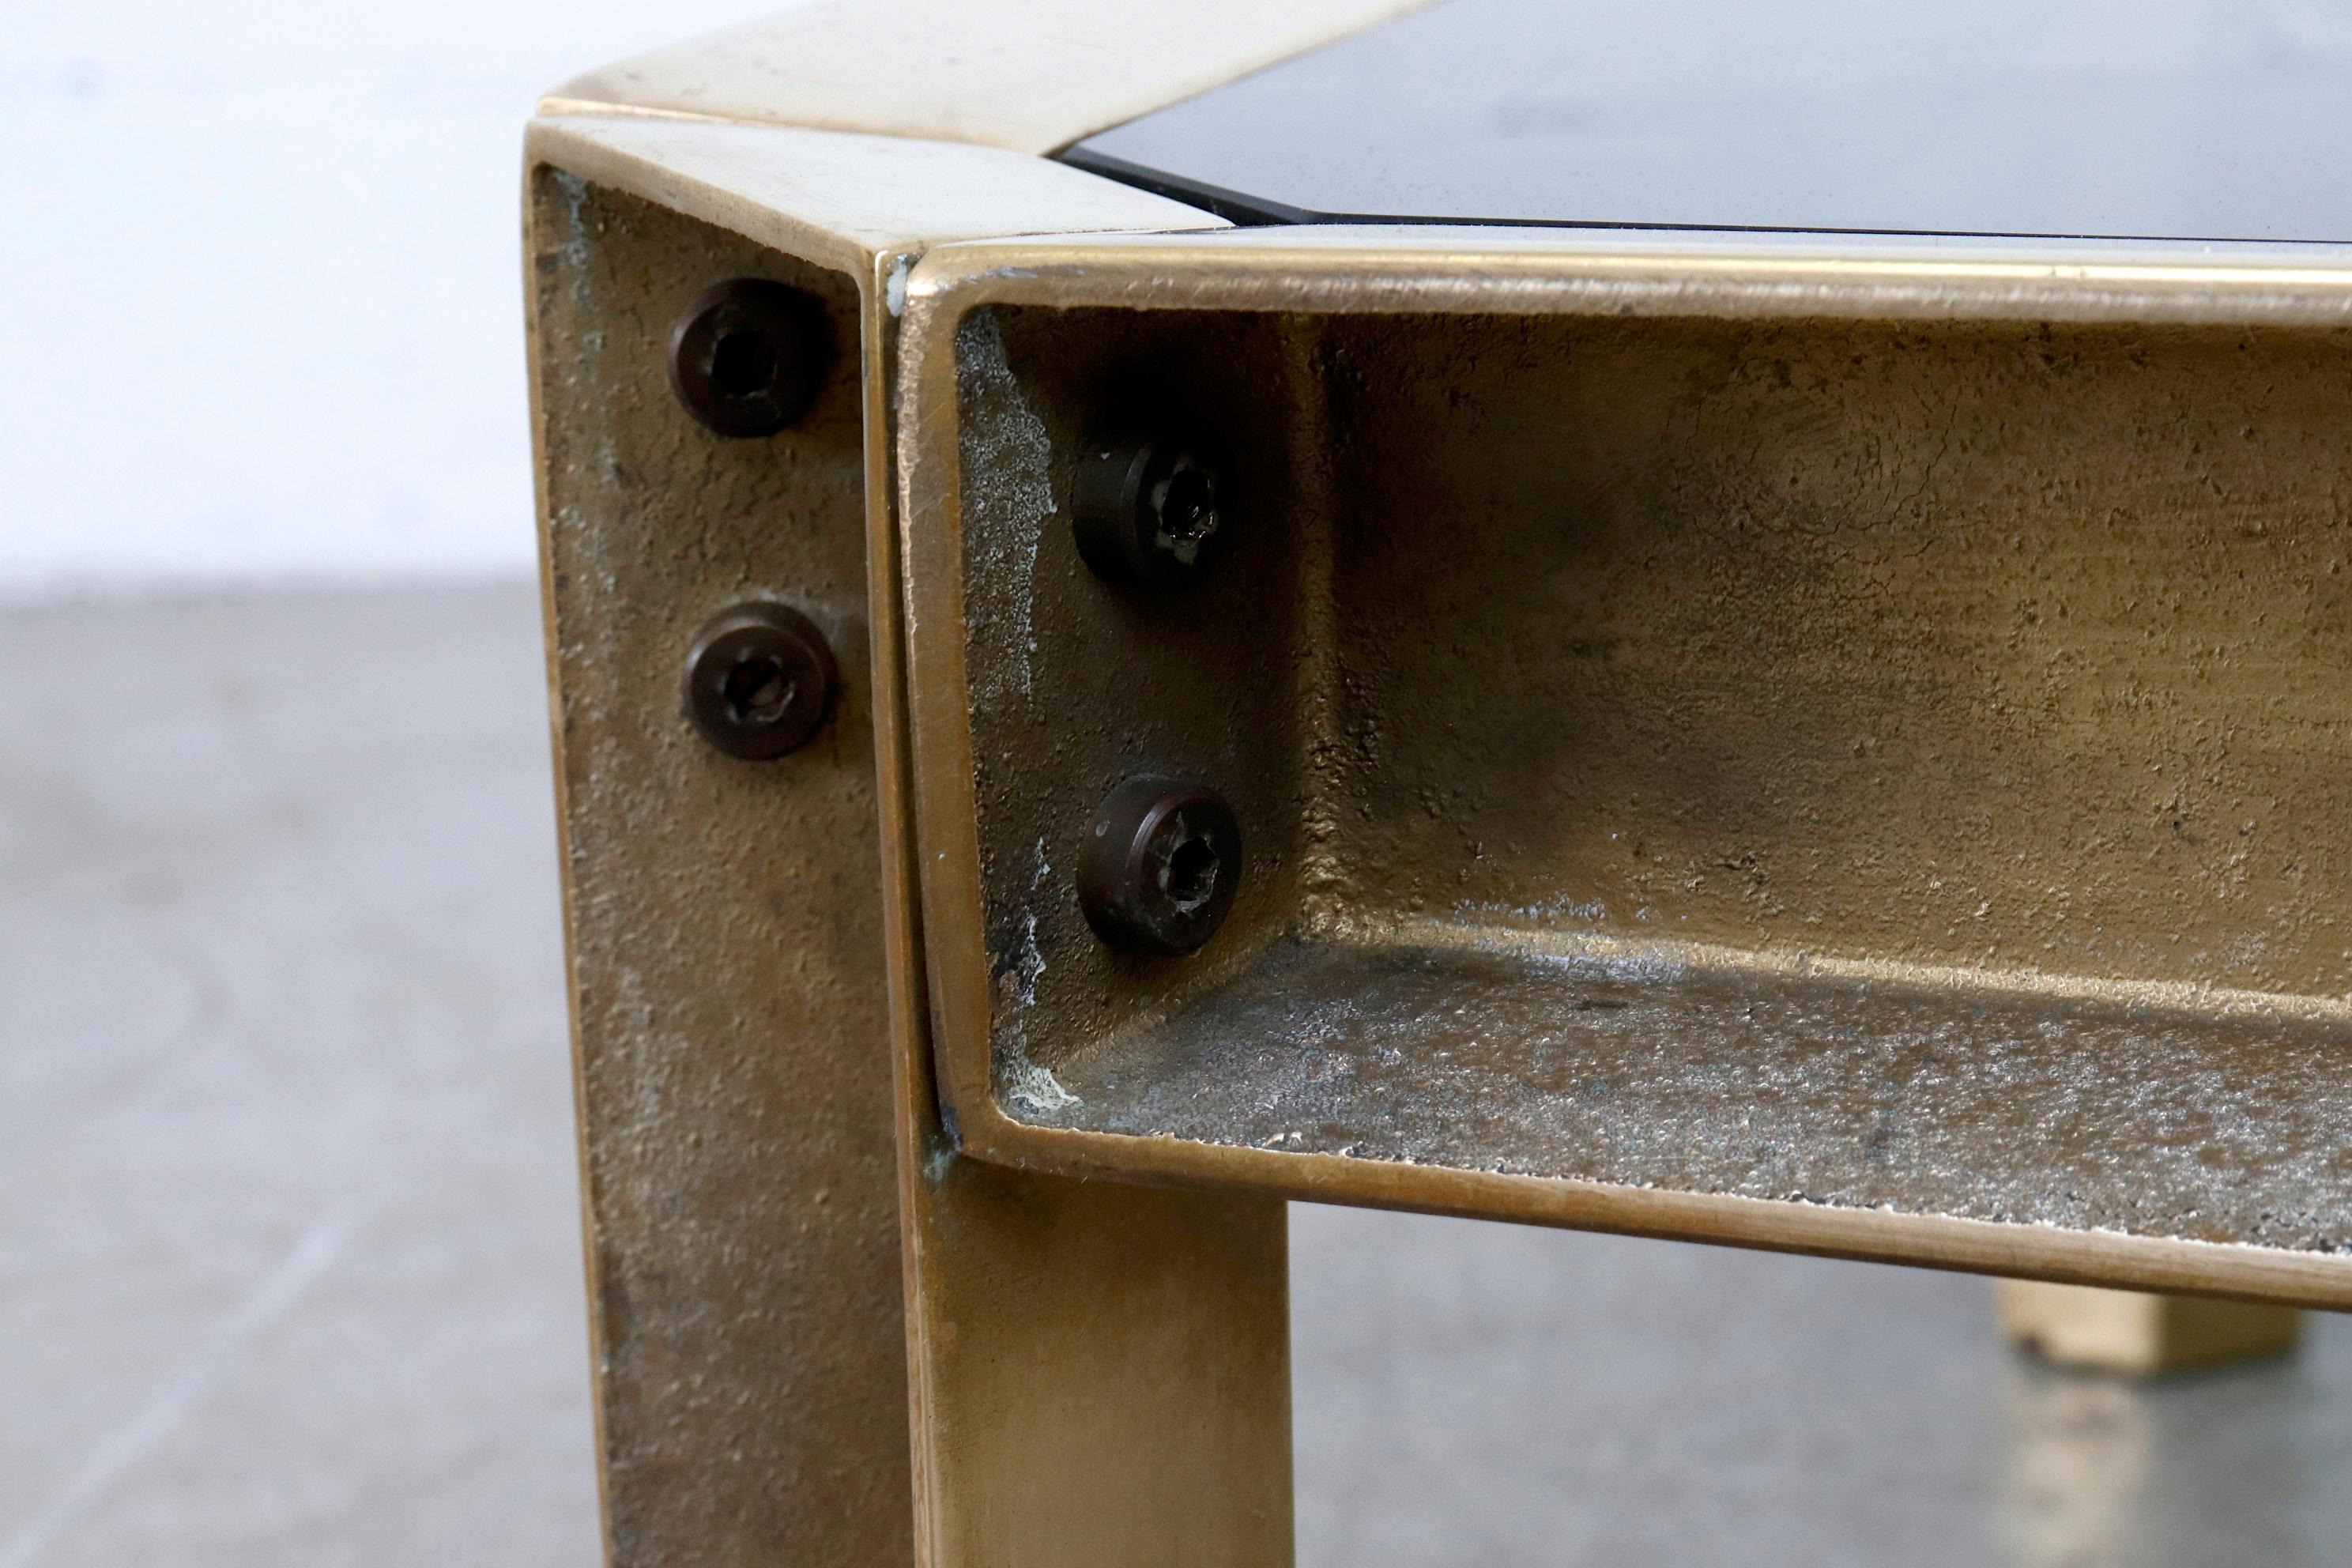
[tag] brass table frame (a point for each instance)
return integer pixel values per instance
(829, 1268)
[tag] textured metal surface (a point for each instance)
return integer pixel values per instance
(1078, 686)
(2209, 118)
(1641, 1072)
(2013, 648)
(1964, 688)
(737, 949)
(736, 1112)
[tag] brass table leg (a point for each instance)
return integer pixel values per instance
(778, 1230)
(2133, 1332)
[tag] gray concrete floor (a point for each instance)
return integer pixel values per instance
(288, 1246)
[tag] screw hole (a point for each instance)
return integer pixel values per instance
(757, 691)
(1186, 508)
(744, 362)
(1192, 874)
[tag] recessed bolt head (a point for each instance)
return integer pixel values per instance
(1159, 864)
(759, 680)
(1150, 513)
(747, 356)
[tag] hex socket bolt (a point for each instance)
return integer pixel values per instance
(1151, 512)
(760, 680)
(1159, 864)
(747, 356)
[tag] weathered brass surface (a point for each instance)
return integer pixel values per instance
(1818, 743)
(822, 1334)
(1838, 749)
(732, 1013)
(1655, 1072)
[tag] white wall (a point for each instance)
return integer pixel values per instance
(260, 282)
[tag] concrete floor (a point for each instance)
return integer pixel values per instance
(288, 1249)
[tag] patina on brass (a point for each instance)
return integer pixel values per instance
(1833, 749)
(1822, 746)
(822, 1334)
(727, 1235)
